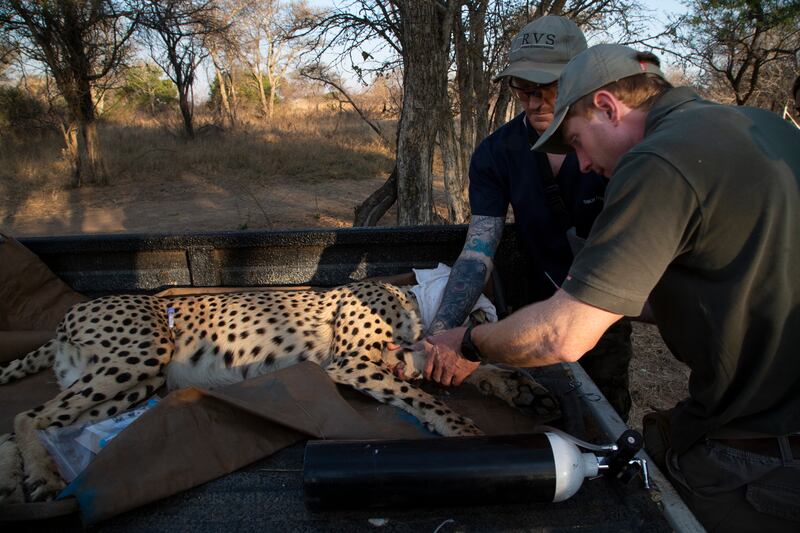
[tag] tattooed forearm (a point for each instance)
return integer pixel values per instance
(469, 274)
(462, 291)
(484, 235)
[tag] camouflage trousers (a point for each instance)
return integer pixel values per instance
(607, 365)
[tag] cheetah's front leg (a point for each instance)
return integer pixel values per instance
(374, 379)
(516, 388)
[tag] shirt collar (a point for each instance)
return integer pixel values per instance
(667, 103)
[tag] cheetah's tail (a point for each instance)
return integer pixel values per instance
(33, 362)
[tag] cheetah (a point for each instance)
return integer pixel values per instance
(111, 353)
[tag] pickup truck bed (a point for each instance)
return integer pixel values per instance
(267, 496)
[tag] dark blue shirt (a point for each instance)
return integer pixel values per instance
(504, 170)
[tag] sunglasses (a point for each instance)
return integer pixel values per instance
(525, 92)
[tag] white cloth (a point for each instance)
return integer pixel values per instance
(430, 288)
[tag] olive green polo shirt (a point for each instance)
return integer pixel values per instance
(702, 218)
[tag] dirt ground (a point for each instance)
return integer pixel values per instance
(190, 203)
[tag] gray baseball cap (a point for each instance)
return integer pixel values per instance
(588, 71)
(542, 49)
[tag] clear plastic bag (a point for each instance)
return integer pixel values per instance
(74, 447)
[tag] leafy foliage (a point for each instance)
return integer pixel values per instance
(745, 51)
(19, 109)
(144, 88)
(244, 87)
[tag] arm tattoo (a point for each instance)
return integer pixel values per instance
(484, 235)
(469, 274)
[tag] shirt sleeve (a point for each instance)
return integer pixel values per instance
(650, 216)
(488, 194)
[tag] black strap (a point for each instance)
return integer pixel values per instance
(552, 193)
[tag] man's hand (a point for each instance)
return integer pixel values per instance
(445, 363)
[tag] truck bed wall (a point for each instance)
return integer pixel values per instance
(115, 263)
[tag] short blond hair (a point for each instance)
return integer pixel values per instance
(637, 91)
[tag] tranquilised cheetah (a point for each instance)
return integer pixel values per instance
(111, 353)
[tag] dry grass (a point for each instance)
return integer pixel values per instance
(658, 380)
(307, 146)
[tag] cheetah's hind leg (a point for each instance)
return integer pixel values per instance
(107, 394)
(10, 471)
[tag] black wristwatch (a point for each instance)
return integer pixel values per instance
(468, 348)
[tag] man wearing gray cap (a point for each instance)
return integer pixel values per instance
(700, 222)
(548, 193)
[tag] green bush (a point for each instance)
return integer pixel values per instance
(20, 110)
(144, 89)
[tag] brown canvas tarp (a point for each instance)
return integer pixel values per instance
(32, 300)
(193, 436)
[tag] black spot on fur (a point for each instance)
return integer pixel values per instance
(122, 378)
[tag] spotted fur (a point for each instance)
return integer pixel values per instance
(111, 353)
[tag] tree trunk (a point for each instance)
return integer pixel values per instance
(271, 108)
(70, 133)
(262, 94)
(481, 78)
(234, 95)
(499, 114)
(83, 144)
(224, 100)
(186, 111)
(426, 40)
(455, 176)
(227, 114)
(466, 100)
(92, 166)
(378, 203)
